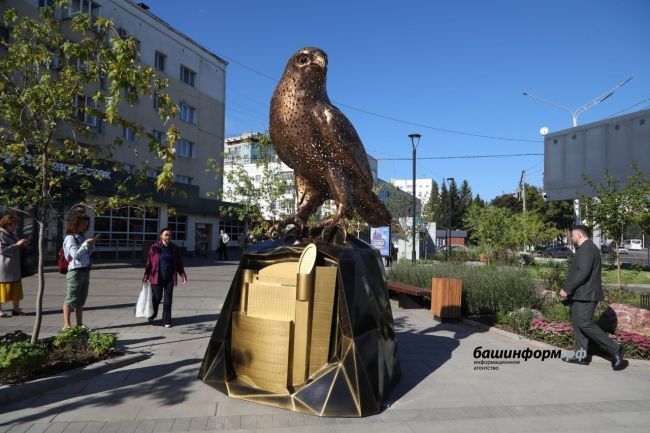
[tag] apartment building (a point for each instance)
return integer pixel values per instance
(245, 150)
(423, 187)
(197, 81)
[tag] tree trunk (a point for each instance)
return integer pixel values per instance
(618, 267)
(41, 280)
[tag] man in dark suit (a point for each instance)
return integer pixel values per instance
(583, 290)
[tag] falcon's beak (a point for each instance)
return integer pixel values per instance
(321, 60)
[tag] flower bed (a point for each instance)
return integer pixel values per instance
(22, 361)
(561, 335)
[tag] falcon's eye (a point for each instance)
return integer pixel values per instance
(303, 59)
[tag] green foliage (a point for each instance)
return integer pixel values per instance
(486, 289)
(71, 340)
(616, 206)
(518, 320)
(557, 313)
(102, 343)
(554, 275)
(498, 229)
(59, 79)
(20, 357)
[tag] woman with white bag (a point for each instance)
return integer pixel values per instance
(164, 262)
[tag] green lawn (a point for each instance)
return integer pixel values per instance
(628, 276)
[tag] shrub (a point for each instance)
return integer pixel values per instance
(71, 340)
(557, 334)
(634, 345)
(20, 357)
(557, 313)
(102, 343)
(486, 289)
(518, 320)
(555, 275)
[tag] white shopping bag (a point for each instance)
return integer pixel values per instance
(144, 306)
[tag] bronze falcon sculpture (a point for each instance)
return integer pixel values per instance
(320, 144)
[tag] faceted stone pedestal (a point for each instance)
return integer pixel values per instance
(350, 372)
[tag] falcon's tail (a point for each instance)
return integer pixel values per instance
(373, 211)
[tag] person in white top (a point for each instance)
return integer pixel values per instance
(77, 250)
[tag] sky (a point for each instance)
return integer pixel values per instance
(452, 71)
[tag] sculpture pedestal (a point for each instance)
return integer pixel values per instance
(322, 345)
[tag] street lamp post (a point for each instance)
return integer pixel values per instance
(449, 181)
(585, 107)
(574, 119)
(415, 140)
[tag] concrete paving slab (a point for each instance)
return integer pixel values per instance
(440, 390)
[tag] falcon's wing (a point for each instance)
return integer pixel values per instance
(344, 142)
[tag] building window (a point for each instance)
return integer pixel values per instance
(159, 136)
(185, 148)
(156, 101)
(81, 103)
(45, 3)
(179, 178)
(152, 173)
(232, 228)
(187, 75)
(127, 227)
(128, 133)
(84, 7)
(187, 113)
(160, 61)
(178, 225)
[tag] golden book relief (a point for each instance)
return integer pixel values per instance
(281, 333)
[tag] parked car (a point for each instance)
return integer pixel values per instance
(623, 250)
(559, 252)
(633, 244)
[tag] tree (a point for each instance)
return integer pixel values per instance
(254, 195)
(432, 207)
(465, 201)
(615, 207)
(639, 188)
(492, 227)
(498, 229)
(507, 201)
(46, 113)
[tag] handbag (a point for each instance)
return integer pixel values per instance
(28, 264)
(144, 306)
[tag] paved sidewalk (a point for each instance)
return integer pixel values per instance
(440, 390)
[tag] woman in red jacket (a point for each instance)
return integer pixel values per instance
(164, 261)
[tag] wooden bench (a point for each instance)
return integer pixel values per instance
(409, 296)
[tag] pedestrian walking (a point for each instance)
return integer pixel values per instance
(77, 250)
(583, 291)
(11, 287)
(164, 263)
(223, 245)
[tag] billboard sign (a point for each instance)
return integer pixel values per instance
(380, 239)
(587, 150)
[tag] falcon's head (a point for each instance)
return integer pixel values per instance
(310, 65)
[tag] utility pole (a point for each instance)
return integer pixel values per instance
(522, 187)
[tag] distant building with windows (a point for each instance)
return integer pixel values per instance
(197, 80)
(245, 150)
(423, 187)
